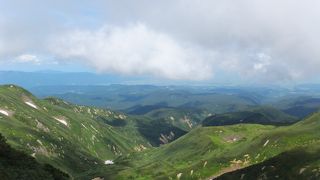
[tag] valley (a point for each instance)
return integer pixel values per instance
(88, 142)
(159, 90)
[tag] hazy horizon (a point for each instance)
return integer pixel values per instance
(216, 41)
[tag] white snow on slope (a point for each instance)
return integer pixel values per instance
(4, 112)
(61, 121)
(108, 162)
(31, 104)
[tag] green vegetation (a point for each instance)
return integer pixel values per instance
(141, 99)
(211, 151)
(69, 137)
(294, 164)
(79, 139)
(299, 107)
(17, 165)
(183, 118)
(158, 132)
(258, 115)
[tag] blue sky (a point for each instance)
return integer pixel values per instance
(245, 41)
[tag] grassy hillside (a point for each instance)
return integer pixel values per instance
(212, 151)
(258, 115)
(158, 132)
(199, 154)
(300, 163)
(78, 139)
(183, 118)
(183, 107)
(72, 138)
(299, 106)
(18, 165)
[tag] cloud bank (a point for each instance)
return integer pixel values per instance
(28, 58)
(135, 49)
(265, 40)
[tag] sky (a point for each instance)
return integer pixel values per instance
(263, 41)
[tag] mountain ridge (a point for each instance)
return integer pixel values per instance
(88, 142)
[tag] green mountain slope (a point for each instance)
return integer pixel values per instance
(300, 162)
(211, 151)
(17, 165)
(258, 115)
(183, 118)
(79, 139)
(299, 106)
(158, 132)
(294, 164)
(72, 138)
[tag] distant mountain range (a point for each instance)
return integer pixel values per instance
(49, 78)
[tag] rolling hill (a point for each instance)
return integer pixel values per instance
(141, 99)
(15, 164)
(300, 163)
(87, 142)
(258, 115)
(300, 106)
(212, 151)
(71, 138)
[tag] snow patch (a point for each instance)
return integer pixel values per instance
(108, 162)
(302, 170)
(31, 104)
(84, 126)
(205, 164)
(39, 142)
(121, 116)
(4, 112)
(94, 128)
(61, 120)
(97, 178)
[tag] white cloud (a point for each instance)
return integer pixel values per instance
(262, 63)
(28, 58)
(135, 49)
(238, 31)
(223, 35)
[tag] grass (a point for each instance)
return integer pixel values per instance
(15, 164)
(300, 163)
(84, 144)
(211, 151)
(94, 135)
(259, 115)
